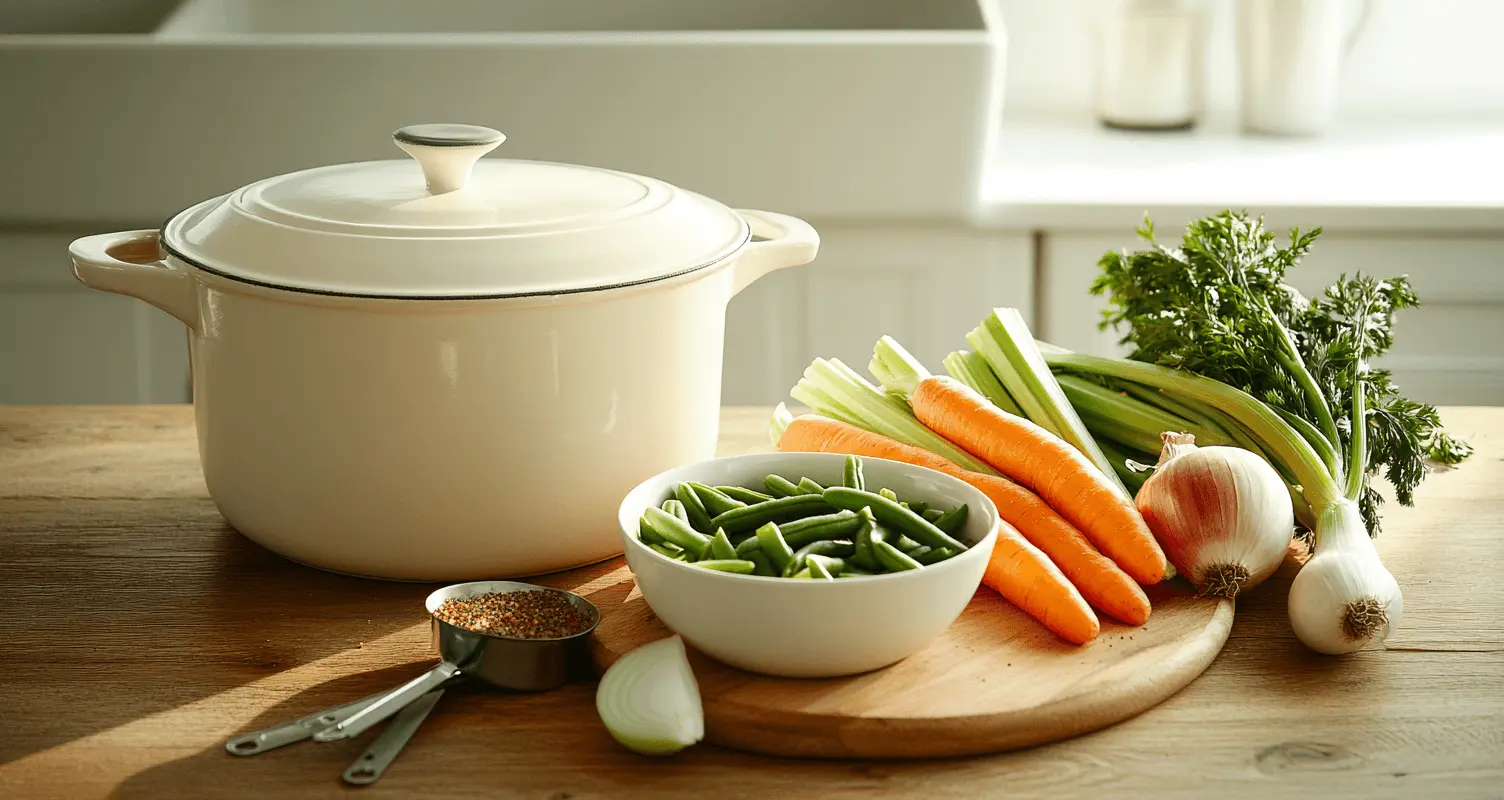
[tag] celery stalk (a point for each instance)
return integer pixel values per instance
(835, 390)
(1160, 400)
(895, 368)
(1129, 420)
(1005, 342)
(779, 422)
(1120, 457)
(825, 404)
(1286, 446)
(971, 369)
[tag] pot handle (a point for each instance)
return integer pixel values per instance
(786, 242)
(100, 262)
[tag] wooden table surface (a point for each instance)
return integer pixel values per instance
(140, 632)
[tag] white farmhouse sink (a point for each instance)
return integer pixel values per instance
(828, 108)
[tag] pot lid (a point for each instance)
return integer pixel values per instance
(447, 223)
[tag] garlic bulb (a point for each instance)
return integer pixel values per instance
(1222, 514)
(1344, 597)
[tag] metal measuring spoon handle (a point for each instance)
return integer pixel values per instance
(394, 701)
(249, 744)
(382, 752)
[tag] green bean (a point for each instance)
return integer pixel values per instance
(764, 567)
(853, 477)
(822, 548)
(699, 518)
(918, 553)
(953, 520)
(918, 507)
(778, 486)
(853, 571)
(713, 500)
(931, 514)
(906, 544)
(901, 520)
(774, 547)
(832, 565)
(669, 550)
(807, 486)
(646, 534)
(818, 571)
(677, 532)
(784, 509)
(893, 558)
(862, 554)
(888, 493)
(801, 532)
(934, 556)
(673, 506)
(745, 495)
(802, 574)
(728, 565)
(746, 547)
(721, 549)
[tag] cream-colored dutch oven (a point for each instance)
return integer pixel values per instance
(447, 367)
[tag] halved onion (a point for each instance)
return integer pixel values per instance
(649, 699)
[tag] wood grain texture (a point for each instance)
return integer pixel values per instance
(140, 632)
(995, 680)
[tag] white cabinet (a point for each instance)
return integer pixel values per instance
(925, 286)
(63, 343)
(1446, 351)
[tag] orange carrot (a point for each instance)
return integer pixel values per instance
(1095, 576)
(1031, 581)
(1038, 459)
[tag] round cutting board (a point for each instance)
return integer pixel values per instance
(995, 680)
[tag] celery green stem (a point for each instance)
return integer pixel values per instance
(971, 369)
(1286, 445)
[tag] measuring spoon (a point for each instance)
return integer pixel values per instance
(371, 764)
(249, 744)
(525, 665)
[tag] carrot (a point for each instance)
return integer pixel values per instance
(1038, 459)
(1095, 576)
(1031, 581)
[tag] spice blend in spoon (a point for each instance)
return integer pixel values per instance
(518, 615)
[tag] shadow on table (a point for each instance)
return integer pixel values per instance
(144, 617)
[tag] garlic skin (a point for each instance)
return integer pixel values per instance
(1222, 514)
(1344, 597)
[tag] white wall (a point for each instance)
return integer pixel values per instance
(1437, 57)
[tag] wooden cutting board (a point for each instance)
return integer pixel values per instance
(996, 680)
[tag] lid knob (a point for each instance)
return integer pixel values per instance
(447, 151)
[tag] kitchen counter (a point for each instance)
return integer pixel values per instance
(1382, 175)
(141, 632)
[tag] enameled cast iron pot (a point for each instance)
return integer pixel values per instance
(447, 367)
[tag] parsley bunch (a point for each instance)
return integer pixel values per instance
(1218, 305)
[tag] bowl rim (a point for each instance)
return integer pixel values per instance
(632, 542)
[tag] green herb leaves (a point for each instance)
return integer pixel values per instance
(1218, 306)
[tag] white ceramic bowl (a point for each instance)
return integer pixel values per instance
(808, 629)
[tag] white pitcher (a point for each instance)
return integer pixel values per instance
(1290, 56)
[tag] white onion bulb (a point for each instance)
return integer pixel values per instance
(1222, 514)
(649, 699)
(1344, 597)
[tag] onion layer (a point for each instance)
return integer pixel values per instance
(649, 699)
(1222, 514)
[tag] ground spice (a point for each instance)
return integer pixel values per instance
(524, 614)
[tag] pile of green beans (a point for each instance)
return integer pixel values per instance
(800, 529)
